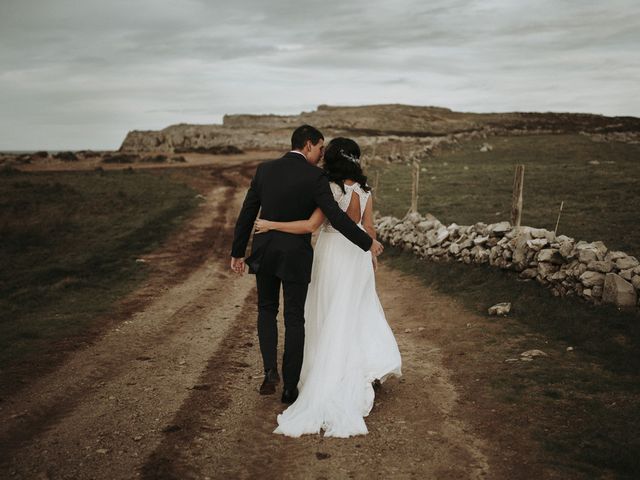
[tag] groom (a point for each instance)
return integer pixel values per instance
(287, 189)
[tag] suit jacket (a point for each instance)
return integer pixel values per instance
(288, 189)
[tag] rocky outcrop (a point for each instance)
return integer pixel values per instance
(392, 131)
(567, 266)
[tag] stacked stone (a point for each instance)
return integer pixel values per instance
(568, 267)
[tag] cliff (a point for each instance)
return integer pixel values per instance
(413, 127)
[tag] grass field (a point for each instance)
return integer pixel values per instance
(68, 245)
(601, 201)
(585, 409)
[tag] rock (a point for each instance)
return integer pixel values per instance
(438, 236)
(587, 255)
(566, 249)
(480, 239)
(427, 225)
(466, 243)
(550, 255)
(481, 228)
(569, 349)
(545, 269)
(614, 255)
(626, 274)
(529, 273)
(635, 281)
(413, 217)
(590, 251)
(533, 353)
(603, 266)
(499, 228)
(486, 147)
(542, 233)
(537, 243)
(454, 228)
(589, 278)
(502, 308)
(623, 263)
(618, 291)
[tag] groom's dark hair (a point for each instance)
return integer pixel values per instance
(304, 133)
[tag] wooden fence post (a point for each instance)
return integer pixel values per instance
(558, 221)
(516, 199)
(415, 182)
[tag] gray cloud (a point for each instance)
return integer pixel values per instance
(80, 74)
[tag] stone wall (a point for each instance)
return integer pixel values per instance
(568, 267)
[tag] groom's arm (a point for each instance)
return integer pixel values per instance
(246, 218)
(339, 219)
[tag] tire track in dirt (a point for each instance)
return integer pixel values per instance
(173, 391)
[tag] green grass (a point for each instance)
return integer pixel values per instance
(68, 244)
(583, 407)
(601, 202)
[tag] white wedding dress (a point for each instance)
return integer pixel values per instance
(348, 342)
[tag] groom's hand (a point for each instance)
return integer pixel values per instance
(376, 248)
(237, 265)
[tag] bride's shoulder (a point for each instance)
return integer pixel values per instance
(335, 188)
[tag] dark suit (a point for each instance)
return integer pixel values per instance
(287, 189)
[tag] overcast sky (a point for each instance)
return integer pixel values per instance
(81, 73)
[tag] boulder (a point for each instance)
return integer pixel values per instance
(413, 217)
(545, 269)
(602, 266)
(626, 274)
(529, 273)
(618, 291)
(537, 243)
(589, 278)
(565, 249)
(550, 255)
(499, 228)
(623, 263)
(587, 255)
(502, 308)
(613, 255)
(480, 239)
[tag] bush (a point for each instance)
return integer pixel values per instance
(119, 158)
(66, 156)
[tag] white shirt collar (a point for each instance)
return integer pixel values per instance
(296, 151)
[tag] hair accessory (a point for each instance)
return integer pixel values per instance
(349, 157)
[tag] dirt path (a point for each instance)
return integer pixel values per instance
(170, 389)
(226, 432)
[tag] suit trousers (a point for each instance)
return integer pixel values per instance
(295, 295)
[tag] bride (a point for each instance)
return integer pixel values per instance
(348, 342)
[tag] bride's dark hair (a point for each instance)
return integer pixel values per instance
(339, 162)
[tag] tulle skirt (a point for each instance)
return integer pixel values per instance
(348, 344)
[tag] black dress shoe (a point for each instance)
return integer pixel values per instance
(271, 379)
(289, 394)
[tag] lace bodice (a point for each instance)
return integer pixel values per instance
(344, 199)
